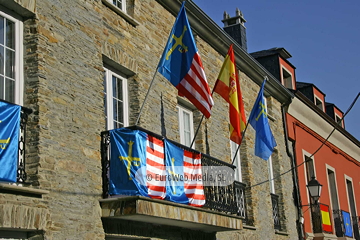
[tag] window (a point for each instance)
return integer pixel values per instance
(120, 4)
(271, 175)
(287, 79)
(185, 126)
(11, 74)
(338, 119)
(234, 146)
(319, 103)
(352, 205)
(269, 162)
(332, 188)
(310, 171)
(115, 100)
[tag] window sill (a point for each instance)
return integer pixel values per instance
(281, 233)
(249, 227)
(128, 18)
(18, 188)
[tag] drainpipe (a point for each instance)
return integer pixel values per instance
(296, 193)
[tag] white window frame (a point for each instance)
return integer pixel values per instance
(238, 175)
(271, 175)
(19, 61)
(181, 110)
(322, 103)
(328, 167)
(269, 163)
(337, 115)
(109, 99)
(282, 77)
(123, 5)
(307, 154)
(347, 178)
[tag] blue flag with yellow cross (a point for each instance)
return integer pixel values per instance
(9, 140)
(128, 162)
(264, 140)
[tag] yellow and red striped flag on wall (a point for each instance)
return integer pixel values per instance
(228, 86)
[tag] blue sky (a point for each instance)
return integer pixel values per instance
(323, 37)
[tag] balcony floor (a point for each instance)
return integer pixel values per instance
(142, 209)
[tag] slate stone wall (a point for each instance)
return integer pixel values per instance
(66, 45)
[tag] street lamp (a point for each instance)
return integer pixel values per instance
(314, 188)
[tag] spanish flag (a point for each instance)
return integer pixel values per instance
(228, 86)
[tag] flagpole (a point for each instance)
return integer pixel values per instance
(202, 118)
(147, 94)
(243, 135)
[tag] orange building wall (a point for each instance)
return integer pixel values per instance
(308, 140)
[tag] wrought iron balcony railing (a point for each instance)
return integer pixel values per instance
(342, 228)
(338, 222)
(227, 199)
(275, 210)
(21, 171)
(356, 227)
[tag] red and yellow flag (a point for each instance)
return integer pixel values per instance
(228, 86)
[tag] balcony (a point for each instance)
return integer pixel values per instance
(275, 210)
(21, 173)
(345, 225)
(224, 208)
(20, 186)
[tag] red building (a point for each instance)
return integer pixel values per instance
(334, 162)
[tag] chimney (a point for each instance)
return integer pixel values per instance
(234, 26)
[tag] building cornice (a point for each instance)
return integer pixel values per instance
(319, 122)
(216, 37)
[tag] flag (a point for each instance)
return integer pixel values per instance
(137, 166)
(128, 159)
(264, 140)
(9, 140)
(325, 218)
(182, 66)
(347, 224)
(184, 177)
(155, 168)
(228, 86)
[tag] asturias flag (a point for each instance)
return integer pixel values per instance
(184, 176)
(137, 166)
(228, 86)
(128, 158)
(182, 66)
(9, 140)
(264, 140)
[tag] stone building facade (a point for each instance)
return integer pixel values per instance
(66, 49)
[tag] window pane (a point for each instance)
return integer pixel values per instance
(117, 83)
(9, 64)
(10, 34)
(186, 122)
(120, 111)
(1, 60)
(9, 90)
(187, 138)
(115, 109)
(114, 90)
(2, 30)
(2, 87)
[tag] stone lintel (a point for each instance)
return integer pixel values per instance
(167, 213)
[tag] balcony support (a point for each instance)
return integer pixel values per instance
(142, 209)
